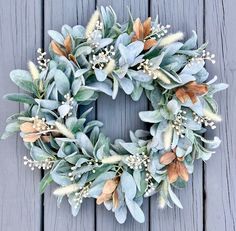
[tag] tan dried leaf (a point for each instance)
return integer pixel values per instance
(167, 158)
(27, 127)
(67, 44)
(149, 43)
(182, 171)
(73, 59)
(172, 173)
(181, 95)
(115, 199)
(147, 27)
(138, 29)
(31, 137)
(56, 49)
(191, 90)
(198, 89)
(110, 186)
(103, 197)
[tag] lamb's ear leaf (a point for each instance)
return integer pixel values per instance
(131, 148)
(47, 180)
(150, 116)
(62, 82)
(23, 80)
(137, 178)
(127, 85)
(121, 214)
(10, 129)
(101, 87)
(56, 36)
(174, 198)
(84, 142)
(20, 97)
(59, 174)
(135, 210)
(39, 154)
(190, 43)
(128, 185)
(84, 94)
(100, 74)
(48, 104)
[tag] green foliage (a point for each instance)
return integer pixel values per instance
(104, 58)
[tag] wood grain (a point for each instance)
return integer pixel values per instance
(184, 16)
(57, 13)
(220, 171)
(119, 117)
(20, 203)
(209, 199)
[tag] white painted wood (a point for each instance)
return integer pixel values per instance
(20, 36)
(182, 16)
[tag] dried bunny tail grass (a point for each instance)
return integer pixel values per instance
(171, 39)
(167, 137)
(112, 159)
(33, 70)
(157, 74)
(110, 66)
(64, 130)
(92, 23)
(161, 202)
(66, 190)
(212, 116)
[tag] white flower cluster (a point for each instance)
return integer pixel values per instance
(204, 120)
(44, 164)
(160, 30)
(137, 161)
(179, 122)
(205, 56)
(81, 194)
(69, 101)
(74, 173)
(102, 58)
(150, 185)
(42, 60)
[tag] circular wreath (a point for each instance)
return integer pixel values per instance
(102, 58)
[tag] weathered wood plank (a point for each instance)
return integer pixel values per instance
(183, 16)
(58, 13)
(20, 203)
(220, 171)
(120, 116)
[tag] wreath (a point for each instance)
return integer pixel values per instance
(139, 58)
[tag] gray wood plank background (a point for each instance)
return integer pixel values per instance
(209, 200)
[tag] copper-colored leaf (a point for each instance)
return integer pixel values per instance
(181, 95)
(138, 29)
(31, 137)
(67, 44)
(27, 127)
(172, 173)
(192, 96)
(56, 49)
(109, 187)
(102, 198)
(115, 199)
(182, 171)
(191, 90)
(147, 27)
(46, 139)
(196, 88)
(167, 158)
(149, 43)
(73, 59)
(134, 38)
